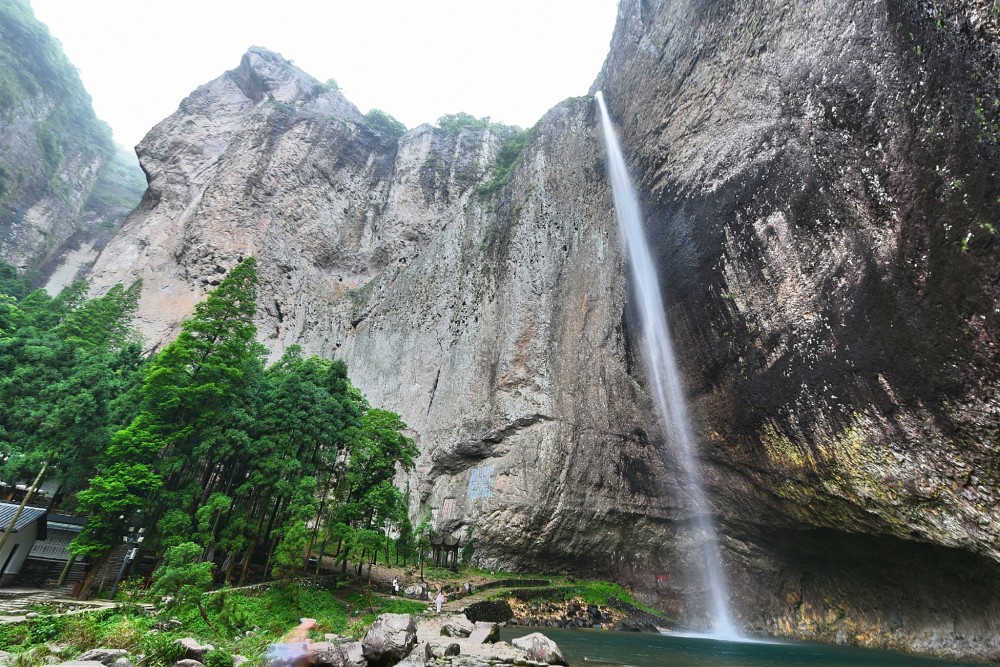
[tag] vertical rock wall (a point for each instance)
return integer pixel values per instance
(820, 185)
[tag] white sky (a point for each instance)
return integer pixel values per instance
(416, 59)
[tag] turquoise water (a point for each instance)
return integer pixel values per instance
(584, 648)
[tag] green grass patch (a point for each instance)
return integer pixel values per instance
(245, 623)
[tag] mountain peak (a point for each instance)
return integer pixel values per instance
(264, 73)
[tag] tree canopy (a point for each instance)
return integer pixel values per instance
(224, 461)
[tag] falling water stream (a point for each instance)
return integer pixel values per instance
(664, 380)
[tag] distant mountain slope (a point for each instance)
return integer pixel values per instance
(64, 184)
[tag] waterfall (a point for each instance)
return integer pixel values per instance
(664, 380)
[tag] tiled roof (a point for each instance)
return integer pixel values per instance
(28, 515)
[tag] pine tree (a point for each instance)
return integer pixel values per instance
(166, 457)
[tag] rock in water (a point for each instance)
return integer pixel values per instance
(540, 648)
(390, 639)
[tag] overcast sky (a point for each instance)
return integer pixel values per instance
(415, 59)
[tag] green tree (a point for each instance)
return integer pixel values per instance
(14, 283)
(67, 367)
(455, 122)
(182, 579)
(170, 455)
(288, 557)
(405, 542)
(383, 122)
(10, 315)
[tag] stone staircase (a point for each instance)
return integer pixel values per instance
(15, 603)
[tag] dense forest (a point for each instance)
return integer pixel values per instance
(219, 458)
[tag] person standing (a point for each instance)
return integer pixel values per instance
(439, 600)
(294, 649)
(395, 587)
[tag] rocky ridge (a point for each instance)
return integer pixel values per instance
(820, 186)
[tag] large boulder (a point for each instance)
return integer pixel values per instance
(415, 591)
(418, 657)
(333, 654)
(327, 654)
(540, 648)
(353, 654)
(390, 639)
(193, 649)
(485, 633)
(105, 656)
(458, 626)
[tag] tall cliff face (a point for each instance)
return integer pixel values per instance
(488, 317)
(65, 187)
(820, 187)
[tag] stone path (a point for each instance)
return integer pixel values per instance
(16, 603)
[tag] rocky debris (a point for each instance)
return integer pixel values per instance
(482, 647)
(5, 658)
(446, 650)
(540, 648)
(188, 662)
(193, 649)
(594, 614)
(105, 656)
(572, 613)
(390, 639)
(575, 613)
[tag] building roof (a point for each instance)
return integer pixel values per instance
(58, 517)
(28, 516)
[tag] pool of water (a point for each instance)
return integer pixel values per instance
(584, 648)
